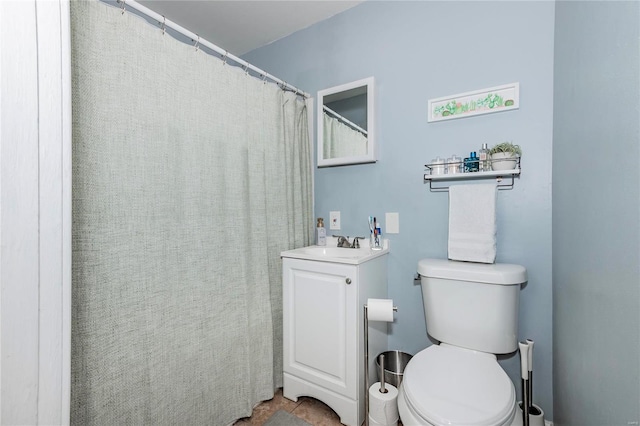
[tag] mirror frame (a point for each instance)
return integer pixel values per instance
(370, 156)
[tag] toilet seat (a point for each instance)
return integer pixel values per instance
(447, 385)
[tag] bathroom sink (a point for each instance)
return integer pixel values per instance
(336, 254)
(347, 253)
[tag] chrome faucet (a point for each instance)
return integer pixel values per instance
(356, 243)
(344, 242)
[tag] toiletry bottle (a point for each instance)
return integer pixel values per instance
(484, 158)
(474, 163)
(467, 163)
(321, 233)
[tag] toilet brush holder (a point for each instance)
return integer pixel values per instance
(536, 415)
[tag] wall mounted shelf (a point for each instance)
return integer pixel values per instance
(499, 176)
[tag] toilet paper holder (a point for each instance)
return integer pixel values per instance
(366, 357)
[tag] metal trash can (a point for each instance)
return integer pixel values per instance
(394, 365)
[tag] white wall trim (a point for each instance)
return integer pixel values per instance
(19, 251)
(35, 212)
(65, 61)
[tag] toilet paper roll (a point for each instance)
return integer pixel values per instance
(374, 423)
(380, 310)
(383, 407)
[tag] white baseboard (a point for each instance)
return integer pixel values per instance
(548, 423)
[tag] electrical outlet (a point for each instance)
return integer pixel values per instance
(334, 220)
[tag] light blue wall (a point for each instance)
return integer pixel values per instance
(422, 50)
(596, 213)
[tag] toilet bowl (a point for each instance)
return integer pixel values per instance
(447, 385)
(472, 310)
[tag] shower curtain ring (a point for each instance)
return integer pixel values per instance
(224, 57)
(124, 3)
(264, 79)
(164, 24)
(197, 43)
(246, 69)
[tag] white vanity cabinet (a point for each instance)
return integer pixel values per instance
(323, 327)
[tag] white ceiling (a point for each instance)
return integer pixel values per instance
(240, 26)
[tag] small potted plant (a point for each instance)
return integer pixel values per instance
(504, 156)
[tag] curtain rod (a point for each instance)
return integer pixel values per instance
(166, 23)
(344, 120)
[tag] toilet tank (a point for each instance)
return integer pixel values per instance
(472, 305)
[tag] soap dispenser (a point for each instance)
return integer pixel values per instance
(321, 233)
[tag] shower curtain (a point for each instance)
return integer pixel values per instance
(341, 140)
(189, 178)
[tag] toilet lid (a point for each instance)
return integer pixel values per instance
(452, 386)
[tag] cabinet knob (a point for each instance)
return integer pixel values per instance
(348, 280)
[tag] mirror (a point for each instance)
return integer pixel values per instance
(345, 124)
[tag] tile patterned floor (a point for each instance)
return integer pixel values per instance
(308, 409)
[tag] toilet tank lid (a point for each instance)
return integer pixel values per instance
(494, 273)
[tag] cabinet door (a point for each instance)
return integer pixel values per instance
(319, 316)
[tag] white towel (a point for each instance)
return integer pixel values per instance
(472, 223)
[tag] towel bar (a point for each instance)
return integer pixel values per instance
(499, 175)
(501, 186)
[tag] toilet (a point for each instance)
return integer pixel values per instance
(472, 310)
